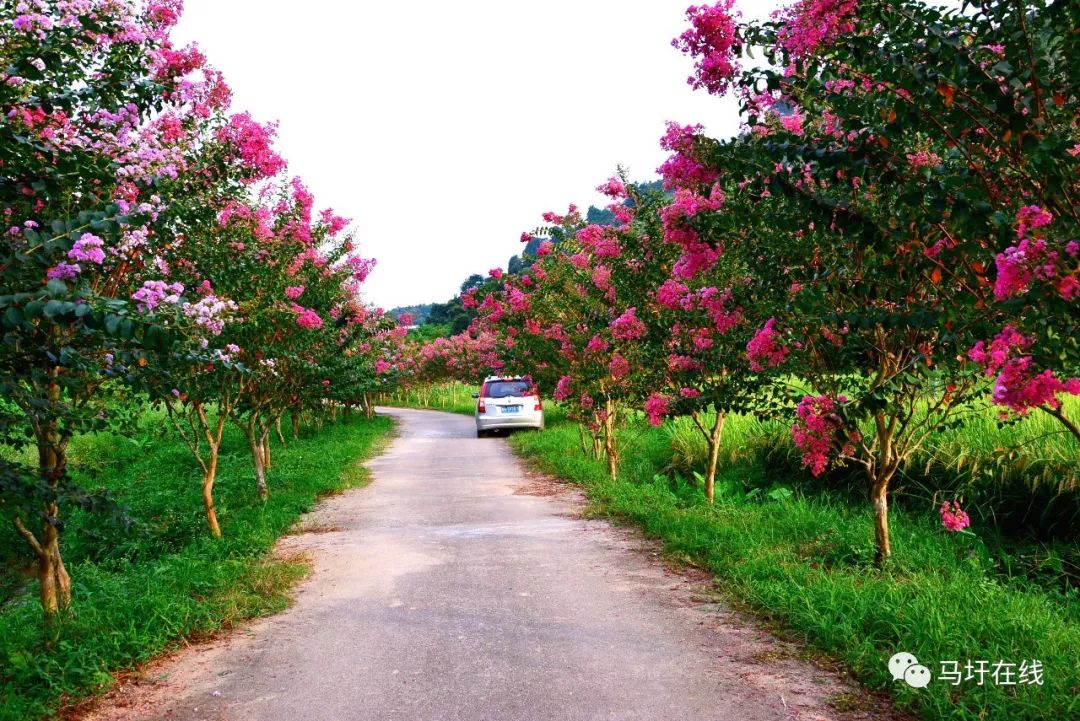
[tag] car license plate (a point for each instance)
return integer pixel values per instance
(511, 409)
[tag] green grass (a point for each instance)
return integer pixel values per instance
(805, 564)
(451, 397)
(140, 590)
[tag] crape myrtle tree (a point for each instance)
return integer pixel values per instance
(98, 116)
(577, 317)
(900, 154)
(707, 309)
(281, 289)
(462, 358)
(366, 367)
(117, 162)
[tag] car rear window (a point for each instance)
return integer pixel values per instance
(505, 389)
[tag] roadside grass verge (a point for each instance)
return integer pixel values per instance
(803, 561)
(144, 588)
(450, 397)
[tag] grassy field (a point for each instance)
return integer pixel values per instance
(799, 554)
(140, 589)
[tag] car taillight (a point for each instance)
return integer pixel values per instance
(480, 407)
(539, 406)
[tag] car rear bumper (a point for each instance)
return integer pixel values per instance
(524, 420)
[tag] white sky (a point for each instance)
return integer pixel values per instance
(445, 129)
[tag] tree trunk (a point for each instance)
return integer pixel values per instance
(295, 425)
(53, 578)
(258, 455)
(277, 427)
(208, 492)
(267, 459)
(611, 449)
(714, 455)
(879, 499)
(881, 472)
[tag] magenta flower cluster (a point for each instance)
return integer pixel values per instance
(766, 349)
(306, 317)
(562, 389)
(627, 326)
(953, 517)
(815, 431)
(712, 39)
(657, 407)
(254, 145)
(811, 24)
(1020, 385)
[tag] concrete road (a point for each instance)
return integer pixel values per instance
(448, 589)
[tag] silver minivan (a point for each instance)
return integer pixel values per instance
(506, 402)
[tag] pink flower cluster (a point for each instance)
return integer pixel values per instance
(815, 431)
(210, 312)
(810, 24)
(1022, 263)
(657, 406)
(294, 291)
(1032, 259)
(601, 277)
(671, 293)
(953, 518)
(155, 292)
(766, 349)
(88, 249)
(254, 145)
(712, 39)
(562, 389)
(599, 240)
(613, 188)
(924, 159)
(1031, 217)
(627, 326)
(306, 317)
(619, 367)
(1020, 385)
(682, 169)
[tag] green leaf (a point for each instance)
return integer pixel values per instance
(112, 323)
(54, 308)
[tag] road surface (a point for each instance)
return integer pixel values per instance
(458, 586)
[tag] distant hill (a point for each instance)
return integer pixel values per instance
(419, 313)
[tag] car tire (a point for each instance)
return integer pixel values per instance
(480, 433)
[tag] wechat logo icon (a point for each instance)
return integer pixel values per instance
(904, 666)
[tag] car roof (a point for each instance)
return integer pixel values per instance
(503, 378)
